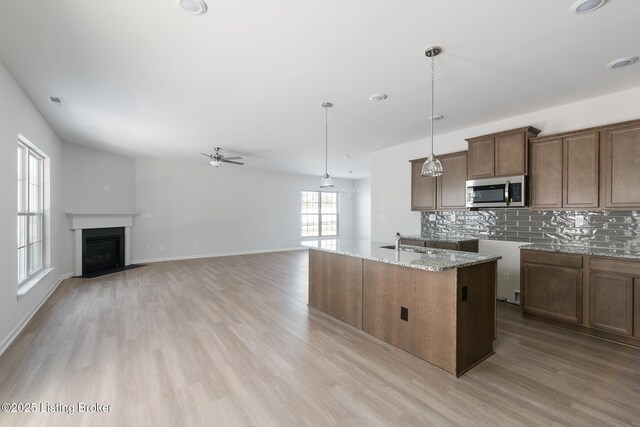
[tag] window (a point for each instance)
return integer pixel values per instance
(30, 211)
(319, 213)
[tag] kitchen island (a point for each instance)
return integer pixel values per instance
(436, 304)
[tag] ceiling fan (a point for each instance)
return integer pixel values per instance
(218, 159)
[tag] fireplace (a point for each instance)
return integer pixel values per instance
(102, 250)
(95, 225)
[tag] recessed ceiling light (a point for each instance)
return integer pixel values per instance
(436, 117)
(347, 156)
(194, 7)
(584, 6)
(623, 62)
(377, 97)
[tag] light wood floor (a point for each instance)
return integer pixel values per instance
(231, 341)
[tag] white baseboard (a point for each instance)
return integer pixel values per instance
(20, 326)
(261, 251)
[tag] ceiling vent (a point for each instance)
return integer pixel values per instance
(57, 101)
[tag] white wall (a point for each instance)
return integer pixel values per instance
(391, 174)
(87, 172)
(362, 210)
(195, 210)
(18, 115)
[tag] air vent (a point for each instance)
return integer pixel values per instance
(57, 101)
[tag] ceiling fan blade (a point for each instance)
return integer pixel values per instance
(205, 154)
(233, 158)
(232, 162)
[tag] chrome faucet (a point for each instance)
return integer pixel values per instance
(398, 237)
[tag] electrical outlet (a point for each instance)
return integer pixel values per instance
(506, 277)
(452, 218)
(432, 217)
(106, 188)
(579, 221)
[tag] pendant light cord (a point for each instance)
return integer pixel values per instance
(326, 139)
(433, 79)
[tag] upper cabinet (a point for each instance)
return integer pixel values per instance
(423, 188)
(587, 169)
(500, 154)
(620, 165)
(446, 192)
(564, 171)
(452, 185)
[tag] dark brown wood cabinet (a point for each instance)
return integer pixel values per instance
(481, 158)
(337, 286)
(551, 286)
(595, 295)
(620, 165)
(423, 188)
(446, 192)
(452, 185)
(389, 304)
(463, 245)
(611, 302)
(564, 171)
(500, 154)
(545, 174)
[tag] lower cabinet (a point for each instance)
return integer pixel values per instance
(596, 295)
(337, 286)
(554, 292)
(389, 304)
(611, 302)
(464, 245)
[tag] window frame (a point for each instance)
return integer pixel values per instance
(29, 151)
(319, 214)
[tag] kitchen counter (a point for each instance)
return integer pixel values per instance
(420, 258)
(584, 250)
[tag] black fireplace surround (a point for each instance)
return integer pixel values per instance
(102, 250)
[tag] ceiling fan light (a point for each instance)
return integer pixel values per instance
(326, 181)
(432, 167)
(215, 163)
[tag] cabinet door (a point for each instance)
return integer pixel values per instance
(481, 158)
(580, 171)
(636, 307)
(553, 292)
(423, 188)
(620, 166)
(611, 302)
(388, 296)
(335, 286)
(546, 174)
(452, 185)
(511, 154)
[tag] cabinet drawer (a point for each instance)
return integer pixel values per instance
(631, 268)
(551, 258)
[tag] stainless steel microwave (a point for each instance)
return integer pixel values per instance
(508, 191)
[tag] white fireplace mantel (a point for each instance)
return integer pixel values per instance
(84, 220)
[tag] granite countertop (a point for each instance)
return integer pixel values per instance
(442, 238)
(583, 250)
(414, 257)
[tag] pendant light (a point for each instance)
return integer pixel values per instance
(432, 166)
(326, 181)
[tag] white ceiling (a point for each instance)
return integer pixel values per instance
(145, 79)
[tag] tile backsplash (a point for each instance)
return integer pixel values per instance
(607, 229)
